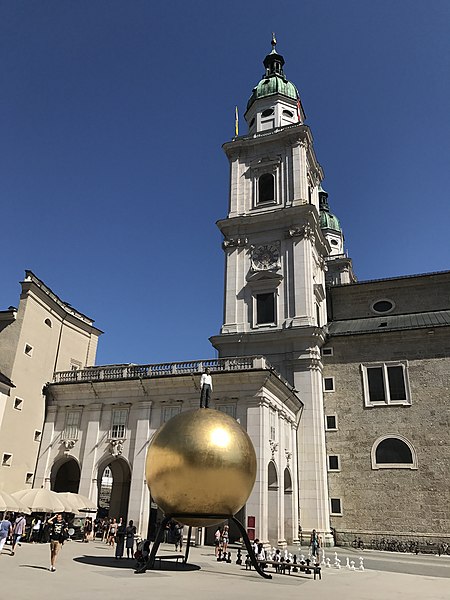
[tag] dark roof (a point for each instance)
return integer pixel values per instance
(398, 277)
(6, 380)
(438, 318)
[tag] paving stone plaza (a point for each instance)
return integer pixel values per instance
(91, 571)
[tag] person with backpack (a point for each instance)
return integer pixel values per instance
(5, 530)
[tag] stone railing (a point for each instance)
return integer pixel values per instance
(116, 372)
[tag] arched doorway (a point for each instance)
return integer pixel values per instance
(288, 522)
(272, 515)
(65, 476)
(114, 479)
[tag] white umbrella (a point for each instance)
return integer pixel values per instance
(79, 502)
(40, 500)
(9, 503)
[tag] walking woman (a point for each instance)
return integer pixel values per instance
(58, 533)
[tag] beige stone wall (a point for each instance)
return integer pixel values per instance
(391, 501)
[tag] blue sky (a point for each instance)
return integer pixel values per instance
(112, 117)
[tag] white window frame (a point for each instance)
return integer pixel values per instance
(330, 470)
(270, 168)
(256, 293)
(28, 350)
(71, 430)
(29, 478)
(411, 466)
(119, 422)
(168, 411)
(332, 381)
(384, 366)
(7, 462)
(329, 350)
(18, 403)
(335, 420)
(336, 514)
(37, 435)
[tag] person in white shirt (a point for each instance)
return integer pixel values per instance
(206, 388)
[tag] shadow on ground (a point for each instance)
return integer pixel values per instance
(124, 563)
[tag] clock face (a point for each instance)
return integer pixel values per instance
(266, 257)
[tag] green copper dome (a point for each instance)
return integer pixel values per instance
(275, 84)
(274, 80)
(326, 219)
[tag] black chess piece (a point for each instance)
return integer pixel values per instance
(248, 563)
(294, 564)
(239, 557)
(219, 557)
(308, 570)
(229, 557)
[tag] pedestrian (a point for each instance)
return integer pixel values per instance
(35, 530)
(225, 538)
(314, 544)
(18, 531)
(120, 538)
(206, 388)
(129, 536)
(112, 531)
(5, 530)
(87, 529)
(217, 539)
(58, 534)
(178, 536)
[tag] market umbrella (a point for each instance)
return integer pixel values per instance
(9, 503)
(40, 500)
(79, 502)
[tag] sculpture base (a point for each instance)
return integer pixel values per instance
(185, 518)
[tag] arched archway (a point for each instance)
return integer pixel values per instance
(65, 476)
(272, 517)
(114, 479)
(288, 513)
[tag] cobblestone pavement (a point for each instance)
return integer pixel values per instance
(90, 571)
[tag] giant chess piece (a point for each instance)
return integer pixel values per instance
(361, 563)
(239, 557)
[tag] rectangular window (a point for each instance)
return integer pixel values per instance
(386, 383)
(331, 423)
(37, 436)
(28, 350)
(29, 478)
(72, 425)
(265, 308)
(272, 417)
(328, 384)
(336, 508)
(229, 409)
(170, 411)
(18, 403)
(327, 351)
(333, 462)
(7, 459)
(119, 423)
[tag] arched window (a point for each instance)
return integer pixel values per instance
(272, 476)
(266, 188)
(393, 452)
(48, 322)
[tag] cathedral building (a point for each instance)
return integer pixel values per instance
(343, 386)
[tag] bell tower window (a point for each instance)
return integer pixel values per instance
(266, 188)
(265, 308)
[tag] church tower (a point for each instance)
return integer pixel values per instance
(275, 253)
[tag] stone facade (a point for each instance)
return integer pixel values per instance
(403, 501)
(42, 335)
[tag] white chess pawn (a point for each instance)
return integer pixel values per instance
(347, 564)
(352, 565)
(302, 558)
(290, 556)
(327, 563)
(361, 565)
(285, 554)
(338, 563)
(335, 557)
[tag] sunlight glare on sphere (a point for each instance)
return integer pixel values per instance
(201, 462)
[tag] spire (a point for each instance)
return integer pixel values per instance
(274, 62)
(323, 199)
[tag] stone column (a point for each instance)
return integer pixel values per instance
(88, 477)
(257, 503)
(139, 505)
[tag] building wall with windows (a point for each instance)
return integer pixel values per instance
(104, 418)
(42, 335)
(387, 414)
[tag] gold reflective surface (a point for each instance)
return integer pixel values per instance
(201, 461)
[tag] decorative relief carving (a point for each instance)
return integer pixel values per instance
(116, 447)
(68, 444)
(266, 257)
(288, 455)
(234, 243)
(303, 231)
(273, 447)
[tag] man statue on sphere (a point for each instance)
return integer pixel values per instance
(205, 388)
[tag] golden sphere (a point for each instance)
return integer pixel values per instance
(202, 462)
